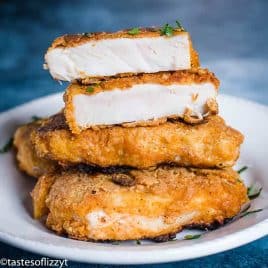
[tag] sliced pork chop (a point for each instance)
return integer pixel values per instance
(146, 99)
(99, 55)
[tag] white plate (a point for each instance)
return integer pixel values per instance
(19, 229)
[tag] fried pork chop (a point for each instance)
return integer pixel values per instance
(99, 55)
(138, 204)
(146, 99)
(207, 145)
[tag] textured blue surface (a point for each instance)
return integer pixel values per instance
(231, 37)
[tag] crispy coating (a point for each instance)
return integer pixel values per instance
(182, 77)
(79, 39)
(71, 40)
(162, 201)
(28, 161)
(207, 145)
(39, 195)
(187, 77)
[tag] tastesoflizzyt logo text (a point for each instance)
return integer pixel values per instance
(43, 262)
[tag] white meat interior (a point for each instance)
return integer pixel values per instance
(109, 57)
(141, 102)
(98, 219)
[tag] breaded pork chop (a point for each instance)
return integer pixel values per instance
(145, 99)
(28, 161)
(138, 204)
(100, 55)
(206, 145)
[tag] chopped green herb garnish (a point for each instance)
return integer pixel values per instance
(249, 212)
(190, 237)
(179, 26)
(242, 169)
(90, 89)
(7, 146)
(87, 34)
(167, 30)
(134, 31)
(245, 209)
(138, 242)
(36, 118)
(253, 192)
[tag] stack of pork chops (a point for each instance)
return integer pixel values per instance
(138, 151)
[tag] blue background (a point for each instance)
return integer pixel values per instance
(230, 36)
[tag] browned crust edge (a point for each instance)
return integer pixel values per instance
(182, 77)
(214, 225)
(71, 40)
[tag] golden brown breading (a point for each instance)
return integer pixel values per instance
(27, 159)
(188, 77)
(71, 40)
(207, 145)
(185, 77)
(159, 202)
(39, 195)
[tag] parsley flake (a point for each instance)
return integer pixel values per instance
(190, 237)
(138, 242)
(134, 31)
(242, 169)
(250, 212)
(90, 89)
(179, 26)
(87, 34)
(246, 209)
(253, 193)
(7, 147)
(167, 30)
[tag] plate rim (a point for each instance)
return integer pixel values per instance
(214, 246)
(103, 256)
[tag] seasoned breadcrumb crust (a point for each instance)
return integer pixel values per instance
(39, 195)
(71, 40)
(184, 77)
(26, 156)
(197, 76)
(206, 196)
(206, 145)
